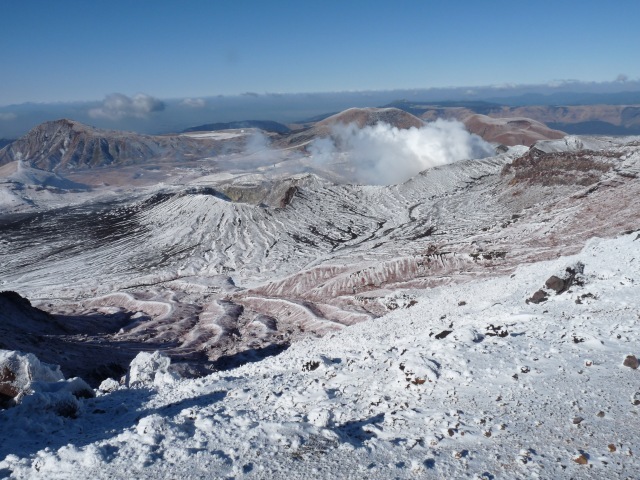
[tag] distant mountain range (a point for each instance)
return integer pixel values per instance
(605, 119)
(65, 145)
(293, 108)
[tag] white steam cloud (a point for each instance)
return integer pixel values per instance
(384, 155)
(116, 106)
(258, 150)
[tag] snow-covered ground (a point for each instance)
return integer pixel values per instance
(218, 135)
(466, 381)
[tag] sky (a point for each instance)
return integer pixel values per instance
(162, 66)
(71, 50)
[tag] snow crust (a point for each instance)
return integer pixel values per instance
(222, 135)
(466, 381)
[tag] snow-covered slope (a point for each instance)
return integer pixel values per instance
(18, 172)
(466, 381)
(202, 277)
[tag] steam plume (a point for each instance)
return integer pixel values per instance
(384, 155)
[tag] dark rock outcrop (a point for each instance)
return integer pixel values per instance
(538, 297)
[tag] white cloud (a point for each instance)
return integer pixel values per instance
(193, 102)
(622, 78)
(384, 155)
(563, 83)
(116, 106)
(7, 116)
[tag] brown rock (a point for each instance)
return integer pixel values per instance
(538, 297)
(581, 459)
(7, 387)
(631, 361)
(555, 283)
(612, 447)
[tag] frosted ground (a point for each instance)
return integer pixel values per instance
(466, 381)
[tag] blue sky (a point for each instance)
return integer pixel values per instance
(60, 51)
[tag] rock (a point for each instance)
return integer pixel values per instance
(459, 454)
(581, 459)
(467, 335)
(524, 456)
(538, 297)
(577, 420)
(631, 361)
(443, 334)
(150, 369)
(310, 366)
(562, 282)
(77, 387)
(612, 447)
(18, 371)
(109, 385)
(320, 417)
(635, 399)
(496, 331)
(555, 283)
(600, 414)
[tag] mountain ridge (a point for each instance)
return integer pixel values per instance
(591, 119)
(66, 145)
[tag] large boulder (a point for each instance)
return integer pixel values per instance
(17, 373)
(24, 379)
(149, 370)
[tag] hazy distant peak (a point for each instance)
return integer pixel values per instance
(364, 117)
(266, 125)
(510, 131)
